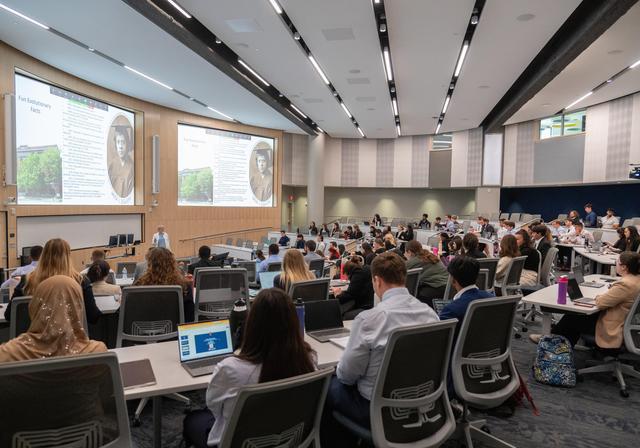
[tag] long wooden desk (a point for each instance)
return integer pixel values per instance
(172, 378)
(547, 300)
(240, 253)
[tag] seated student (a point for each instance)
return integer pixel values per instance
(378, 233)
(273, 257)
(348, 233)
(457, 225)
(386, 230)
(443, 244)
(320, 244)
(450, 225)
(351, 389)
(357, 233)
(464, 273)
(163, 270)
(376, 220)
(508, 251)
(578, 236)
(438, 224)
(432, 281)
(56, 260)
(486, 229)
(574, 216)
(284, 239)
(529, 276)
(389, 241)
(590, 219)
(359, 294)
(313, 230)
(454, 248)
(310, 251)
(334, 253)
(294, 269)
(378, 246)
(424, 223)
(471, 246)
(557, 229)
(509, 227)
(367, 253)
(409, 233)
(299, 241)
(372, 232)
(100, 255)
(272, 349)
(259, 256)
(609, 221)
(335, 231)
(342, 249)
(324, 230)
(541, 240)
(204, 252)
(621, 242)
(614, 304)
(34, 255)
(97, 274)
(631, 239)
(401, 233)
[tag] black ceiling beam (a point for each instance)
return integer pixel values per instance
(587, 22)
(196, 37)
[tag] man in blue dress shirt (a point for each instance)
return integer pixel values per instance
(591, 220)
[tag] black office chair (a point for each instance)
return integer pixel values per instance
(410, 406)
(317, 266)
(491, 265)
(64, 401)
(413, 280)
(310, 290)
(250, 266)
(482, 368)
(276, 266)
(229, 242)
(21, 320)
(482, 281)
(217, 290)
(284, 413)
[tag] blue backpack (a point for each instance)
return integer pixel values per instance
(554, 362)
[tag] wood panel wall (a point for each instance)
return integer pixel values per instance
(181, 223)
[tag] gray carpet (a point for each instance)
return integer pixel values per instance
(591, 415)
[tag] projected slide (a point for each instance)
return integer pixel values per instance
(71, 149)
(224, 169)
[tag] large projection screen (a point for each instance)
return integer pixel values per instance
(224, 169)
(71, 149)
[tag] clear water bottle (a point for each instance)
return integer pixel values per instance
(124, 272)
(300, 313)
(237, 318)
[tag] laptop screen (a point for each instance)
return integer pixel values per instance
(322, 315)
(266, 279)
(573, 288)
(204, 339)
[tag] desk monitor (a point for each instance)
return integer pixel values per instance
(122, 239)
(130, 238)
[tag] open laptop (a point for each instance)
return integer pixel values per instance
(575, 294)
(202, 345)
(266, 279)
(580, 279)
(323, 320)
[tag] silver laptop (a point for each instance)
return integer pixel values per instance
(266, 279)
(202, 345)
(580, 279)
(323, 320)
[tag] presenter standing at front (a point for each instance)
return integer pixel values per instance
(161, 238)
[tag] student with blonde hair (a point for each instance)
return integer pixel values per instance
(294, 269)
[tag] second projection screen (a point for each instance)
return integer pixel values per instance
(224, 169)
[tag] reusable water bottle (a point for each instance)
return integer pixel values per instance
(237, 318)
(343, 276)
(300, 313)
(562, 290)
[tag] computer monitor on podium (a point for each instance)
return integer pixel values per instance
(129, 239)
(122, 239)
(113, 240)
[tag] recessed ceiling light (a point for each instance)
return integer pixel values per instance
(371, 108)
(578, 100)
(298, 110)
(525, 17)
(398, 129)
(614, 51)
(319, 70)
(346, 111)
(360, 131)
(218, 41)
(438, 127)
(354, 71)
(147, 77)
(484, 86)
(463, 54)
(546, 104)
(387, 64)
(635, 64)
(179, 8)
(276, 6)
(296, 35)
(394, 102)
(29, 19)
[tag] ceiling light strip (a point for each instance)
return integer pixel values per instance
(218, 112)
(180, 9)
(579, 99)
(139, 73)
(276, 6)
(387, 64)
(298, 110)
(463, 54)
(19, 14)
(635, 64)
(319, 70)
(253, 72)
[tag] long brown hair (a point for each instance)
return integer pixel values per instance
(509, 246)
(415, 247)
(162, 269)
(55, 260)
(294, 269)
(272, 338)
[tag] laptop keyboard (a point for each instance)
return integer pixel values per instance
(330, 331)
(204, 363)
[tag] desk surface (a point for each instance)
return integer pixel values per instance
(608, 259)
(106, 304)
(547, 297)
(171, 377)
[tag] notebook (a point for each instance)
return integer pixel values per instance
(137, 374)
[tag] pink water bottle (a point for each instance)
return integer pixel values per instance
(562, 290)
(434, 250)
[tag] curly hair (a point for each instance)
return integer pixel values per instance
(162, 270)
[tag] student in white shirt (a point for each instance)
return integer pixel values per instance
(350, 391)
(610, 221)
(161, 238)
(557, 229)
(272, 349)
(100, 255)
(34, 254)
(578, 235)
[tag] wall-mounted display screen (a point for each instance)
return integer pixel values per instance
(224, 169)
(71, 149)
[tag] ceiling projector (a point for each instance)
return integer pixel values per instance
(634, 172)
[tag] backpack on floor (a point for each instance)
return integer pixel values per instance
(554, 362)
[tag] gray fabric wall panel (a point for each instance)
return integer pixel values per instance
(287, 158)
(419, 161)
(619, 142)
(524, 151)
(300, 156)
(559, 160)
(384, 162)
(474, 158)
(350, 160)
(439, 169)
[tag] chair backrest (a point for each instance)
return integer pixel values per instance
(251, 268)
(239, 242)
(310, 290)
(20, 319)
(490, 264)
(514, 271)
(217, 290)
(449, 290)
(317, 266)
(129, 265)
(64, 401)
(409, 406)
(627, 223)
(413, 277)
(149, 313)
(433, 241)
(631, 329)
(465, 226)
(481, 365)
(562, 216)
(515, 217)
(547, 265)
(504, 216)
(275, 266)
(279, 413)
(483, 279)
(597, 235)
